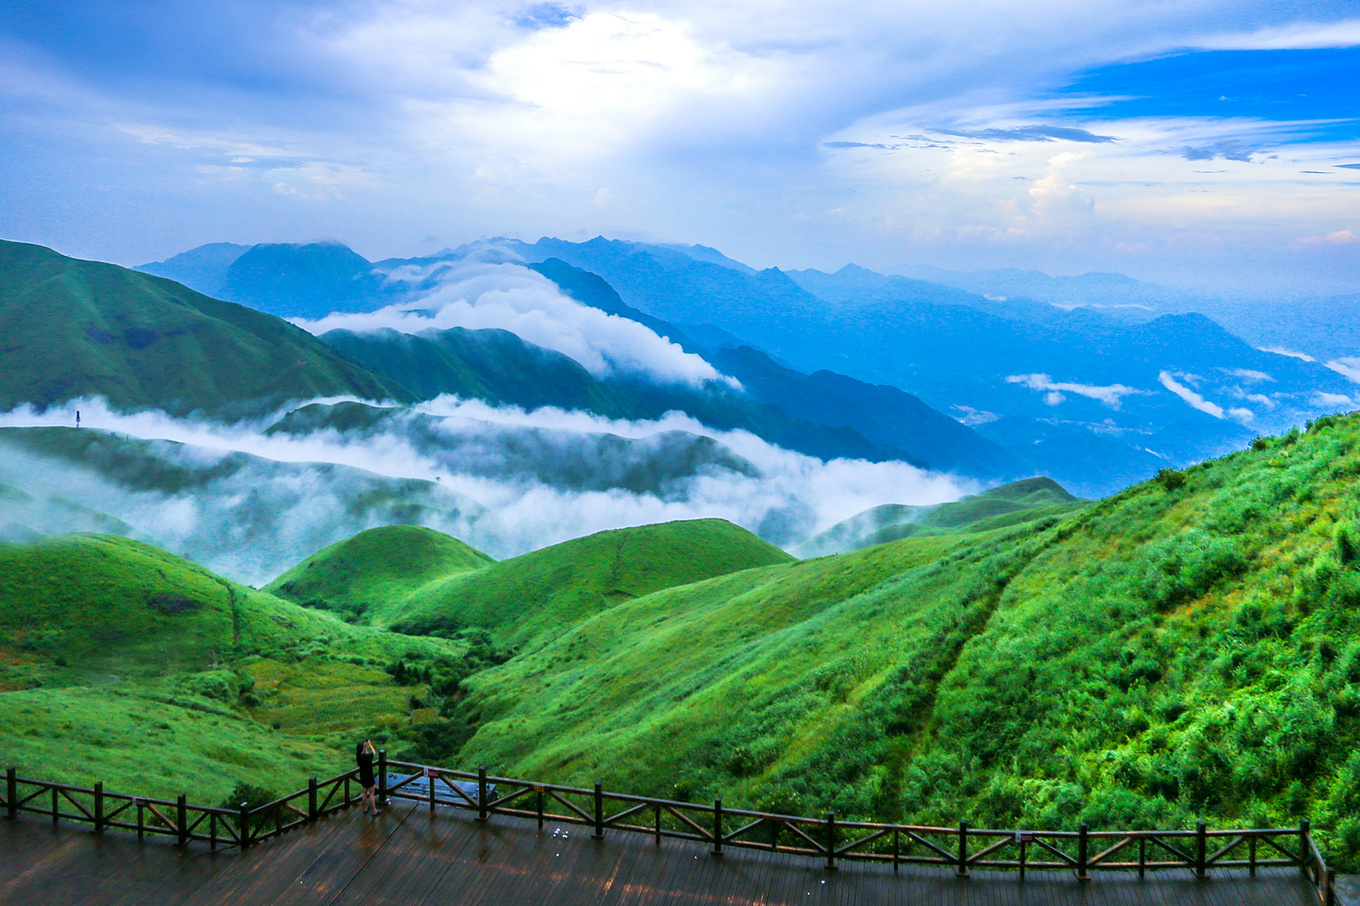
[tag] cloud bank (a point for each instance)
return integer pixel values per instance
(479, 295)
(298, 492)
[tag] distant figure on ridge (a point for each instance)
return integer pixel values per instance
(77, 418)
(363, 754)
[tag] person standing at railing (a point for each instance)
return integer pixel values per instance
(364, 753)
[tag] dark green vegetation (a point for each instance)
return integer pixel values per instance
(375, 567)
(1011, 504)
(1161, 655)
(80, 328)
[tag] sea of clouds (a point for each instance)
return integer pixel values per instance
(294, 493)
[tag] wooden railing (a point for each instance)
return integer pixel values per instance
(959, 849)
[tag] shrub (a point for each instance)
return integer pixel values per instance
(253, 796)
(1347, 542)
(1171, 479)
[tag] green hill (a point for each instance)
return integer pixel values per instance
(1011, 504)
(114, 655)
(1189, 647)
(378, 565)
(527, 600)
(76, 328)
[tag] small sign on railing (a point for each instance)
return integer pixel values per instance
(1024, 836)
(432, 773)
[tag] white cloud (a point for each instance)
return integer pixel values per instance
(1332, 399)
(1111, 395)
(510, 297)
(1336, 237)
(1293, 354)
(1191, 397)
(1252, 377)
(1350, 367)
(1295, 36)
(793, 497)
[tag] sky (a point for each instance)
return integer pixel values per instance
(1211, 144)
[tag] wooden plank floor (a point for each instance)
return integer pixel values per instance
(407, 856)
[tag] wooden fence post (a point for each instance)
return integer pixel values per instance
(243, 827)
(717, 827)
(1305, 837)
(539, 794)
(481, 793)
(99, 806)
(182, 820)
(599, 811)
(897, 851)
(311, 798)
(382, 777)
(1201, 849)
(1251, 853)
(432, 774)
(56, 807)
(1082, 853)
(830, 841)
(1329, 899)
(963, 849)
(12, 791)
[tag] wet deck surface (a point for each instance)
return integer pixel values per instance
(407, 856)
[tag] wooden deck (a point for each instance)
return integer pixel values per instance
(407, 856)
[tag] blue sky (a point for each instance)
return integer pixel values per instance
(1206, 143)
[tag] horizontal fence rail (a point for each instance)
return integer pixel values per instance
(958, 849)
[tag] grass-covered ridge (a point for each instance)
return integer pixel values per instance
(528, 599)
(375, 567)
(1011, 504)
(113, 651)
(77, 328)
(1189, 647)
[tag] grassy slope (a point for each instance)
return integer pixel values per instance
(76, 328)
(1011, 504)
(377, 565)
(110, 648)
(528, 599)
(1170, 652)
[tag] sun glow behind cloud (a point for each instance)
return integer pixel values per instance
(1000, 133)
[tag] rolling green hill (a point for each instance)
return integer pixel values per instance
(527, 600)
(76, 328)
(113, 652)
(1010, 504)
(1189, 647)
(378, 565)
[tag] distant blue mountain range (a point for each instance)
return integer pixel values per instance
(1096, 380)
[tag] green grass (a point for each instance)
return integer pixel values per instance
(374, 568)
(526, 600)
(136, 742)
(76, 328)
(1189, 647)
(1030, 500)
(121, 662)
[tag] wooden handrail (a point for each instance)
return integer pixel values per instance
(859, 840)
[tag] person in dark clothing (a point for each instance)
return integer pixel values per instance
(364, 754)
